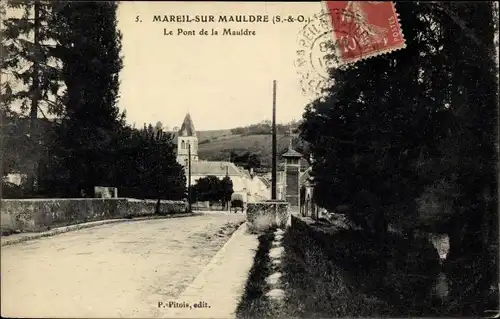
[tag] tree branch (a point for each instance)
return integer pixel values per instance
(460, 23)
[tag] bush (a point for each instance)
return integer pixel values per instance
(357, 274)
(10, 190)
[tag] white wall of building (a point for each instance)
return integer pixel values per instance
(255, 189)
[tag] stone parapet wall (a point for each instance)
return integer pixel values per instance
(33, 215)
(269, 214)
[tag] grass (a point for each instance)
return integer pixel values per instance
(217, 145)
(253, 303)
(333, 273)
(213, 134)
(317, 287)
(220, 148)
(208, 134)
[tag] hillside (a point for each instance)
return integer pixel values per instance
(209, 135)
(217, 145)
(261, 145)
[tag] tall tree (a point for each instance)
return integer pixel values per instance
(29, 62)
(89, 47)
(409, 137)
(226, 190)
(381, 115)
(208, 188)
(145, 166)
(469, 153)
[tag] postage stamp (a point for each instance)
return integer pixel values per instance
(343, 33)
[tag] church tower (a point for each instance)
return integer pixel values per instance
(186, 139)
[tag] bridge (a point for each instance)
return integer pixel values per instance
(171, 267)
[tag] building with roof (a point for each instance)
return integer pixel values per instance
(243, 180)
(187, 136)
(307, 205)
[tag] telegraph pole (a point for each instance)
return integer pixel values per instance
(189, 177)
(227, 177)
(273, 174)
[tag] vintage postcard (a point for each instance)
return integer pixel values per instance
(180, 159)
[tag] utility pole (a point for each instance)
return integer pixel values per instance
(189, 177)
(227, 177)
(273, 174)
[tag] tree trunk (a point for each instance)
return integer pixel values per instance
(157, 209)
(34, 136)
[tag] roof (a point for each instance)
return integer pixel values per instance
(291, 152)
(187, 128)
(305, 176)
(216, 168)
(265, 181)
(244, 172)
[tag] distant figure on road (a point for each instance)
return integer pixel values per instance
(237, 201)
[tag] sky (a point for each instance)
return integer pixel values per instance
(222, 81)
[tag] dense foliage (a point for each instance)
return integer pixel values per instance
(29, 62)
(265, 127)
(246, 160)
(88, 144)
(408, 138)
(213, 189)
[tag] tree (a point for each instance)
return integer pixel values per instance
(253, 161)
(408, 143)
(166, 175)
(468, 154)
(379, 117)
(247, 160)
(226, 190)
(208, 189)
(29, 57)
(89, 47)
(159, 126)
(145, 166)
(29, 62)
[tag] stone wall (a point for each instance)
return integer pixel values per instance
(31, 215)
(264, 215)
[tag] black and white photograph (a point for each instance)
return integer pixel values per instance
(237, 160)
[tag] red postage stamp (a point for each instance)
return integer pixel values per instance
(343, 33)
(363, 29)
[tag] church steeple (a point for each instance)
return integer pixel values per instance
(187, 128)
(186, 140)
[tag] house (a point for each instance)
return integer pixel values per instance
(243, 181)
(308, 207)
(260, 188)
(280, 181)
(281, 177)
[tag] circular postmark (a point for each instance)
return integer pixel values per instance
(316, 55)
(331, 39)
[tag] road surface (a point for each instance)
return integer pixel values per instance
(114, 270)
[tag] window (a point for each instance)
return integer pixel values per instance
(183, 145)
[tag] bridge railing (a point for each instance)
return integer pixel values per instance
(32, 215)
